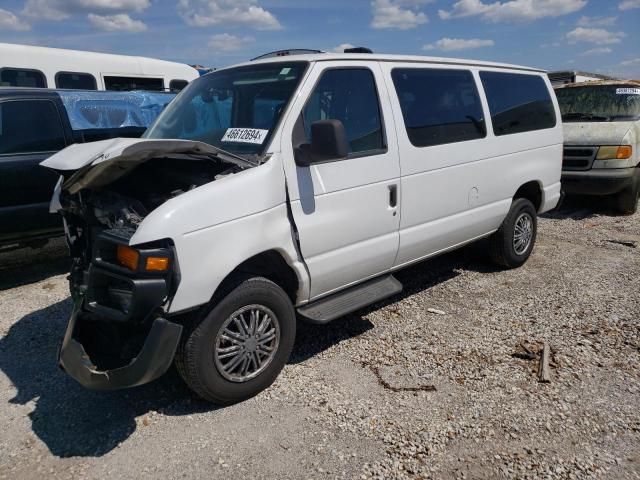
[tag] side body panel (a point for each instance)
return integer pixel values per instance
(457, 192)
(348, 230)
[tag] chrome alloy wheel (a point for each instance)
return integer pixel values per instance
(247, 343)
(523, 233)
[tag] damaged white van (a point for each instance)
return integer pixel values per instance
(291, 187)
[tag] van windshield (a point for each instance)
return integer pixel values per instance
(236, 109)
(601, 103)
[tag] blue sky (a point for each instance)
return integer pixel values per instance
(592, 35)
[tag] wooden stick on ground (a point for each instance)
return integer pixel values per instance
(544, 375)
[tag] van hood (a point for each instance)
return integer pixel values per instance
(95, 164)
(595, 133)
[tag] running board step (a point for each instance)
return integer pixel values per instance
(349, 300)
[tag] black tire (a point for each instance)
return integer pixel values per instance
(501, 244)
(627, 200)
(195, 356)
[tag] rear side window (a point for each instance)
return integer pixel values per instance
(439, 106)
(176, 86)
(518, 102)
(76, 81)
(14, 77)
(126, 84)
(30, 126)
(348, 95)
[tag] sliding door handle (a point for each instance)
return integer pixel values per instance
(393, 196)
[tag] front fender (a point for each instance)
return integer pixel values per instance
(220, 225)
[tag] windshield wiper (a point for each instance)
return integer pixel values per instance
(585, 116)
(232, 157)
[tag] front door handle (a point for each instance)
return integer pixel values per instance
(393, 196)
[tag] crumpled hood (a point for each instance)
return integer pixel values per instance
(595, 133)
(92, 164)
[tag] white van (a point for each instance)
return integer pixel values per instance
(292, 186)
(602, 140)
(43, 67)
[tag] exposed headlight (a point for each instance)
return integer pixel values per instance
(130, 258)
(614, 152)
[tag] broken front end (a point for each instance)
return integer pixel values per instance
(120, 333)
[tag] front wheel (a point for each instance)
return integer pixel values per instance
(513, 243)
(239, 348)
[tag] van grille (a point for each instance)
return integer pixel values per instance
(578, 158)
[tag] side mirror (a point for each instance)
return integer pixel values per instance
(328, 142)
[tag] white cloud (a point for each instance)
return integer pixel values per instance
(586, 21)
(594, 35)
(61, 9)
(341, 48)
(397, 14)
(229, 43)
(10, 21)
(453, 44)
(512, 10)
(629, 4)
(629, 63)
(597, 51)
(205, 13)
(120, 22)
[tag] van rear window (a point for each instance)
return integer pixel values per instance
(76, 81)
(127, 84)
(439, 106)
(518, 102)
(15, 77)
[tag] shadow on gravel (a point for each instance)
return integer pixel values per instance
(314, 339)
(27, 265)
(581, 207)
(69, 419)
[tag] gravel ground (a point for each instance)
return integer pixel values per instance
(439, 382)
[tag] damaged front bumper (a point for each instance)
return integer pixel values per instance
(118, 335)
(152, 361)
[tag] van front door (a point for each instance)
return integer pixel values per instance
(346, 210)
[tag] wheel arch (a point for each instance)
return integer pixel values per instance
(269, 264)
(533, 192)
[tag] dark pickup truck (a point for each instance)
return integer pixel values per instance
(34, 124)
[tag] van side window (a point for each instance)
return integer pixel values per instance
(30, 126)
(15, 77)
(176, 86)
(76, 81)
(126, 84)
(518, 102)
(348, 95)
(439, 106)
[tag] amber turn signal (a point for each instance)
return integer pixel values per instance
(621, 152)
(624, 152)
(128, 257)
(157, 264)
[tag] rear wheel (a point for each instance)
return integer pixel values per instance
(239, 348)
(627, 200)
(513, 243)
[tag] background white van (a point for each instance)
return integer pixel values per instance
(42, 67)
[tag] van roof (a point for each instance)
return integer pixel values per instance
(324, 57)
(594, 83)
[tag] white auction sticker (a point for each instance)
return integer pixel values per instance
(245, 135)
(628, 91)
